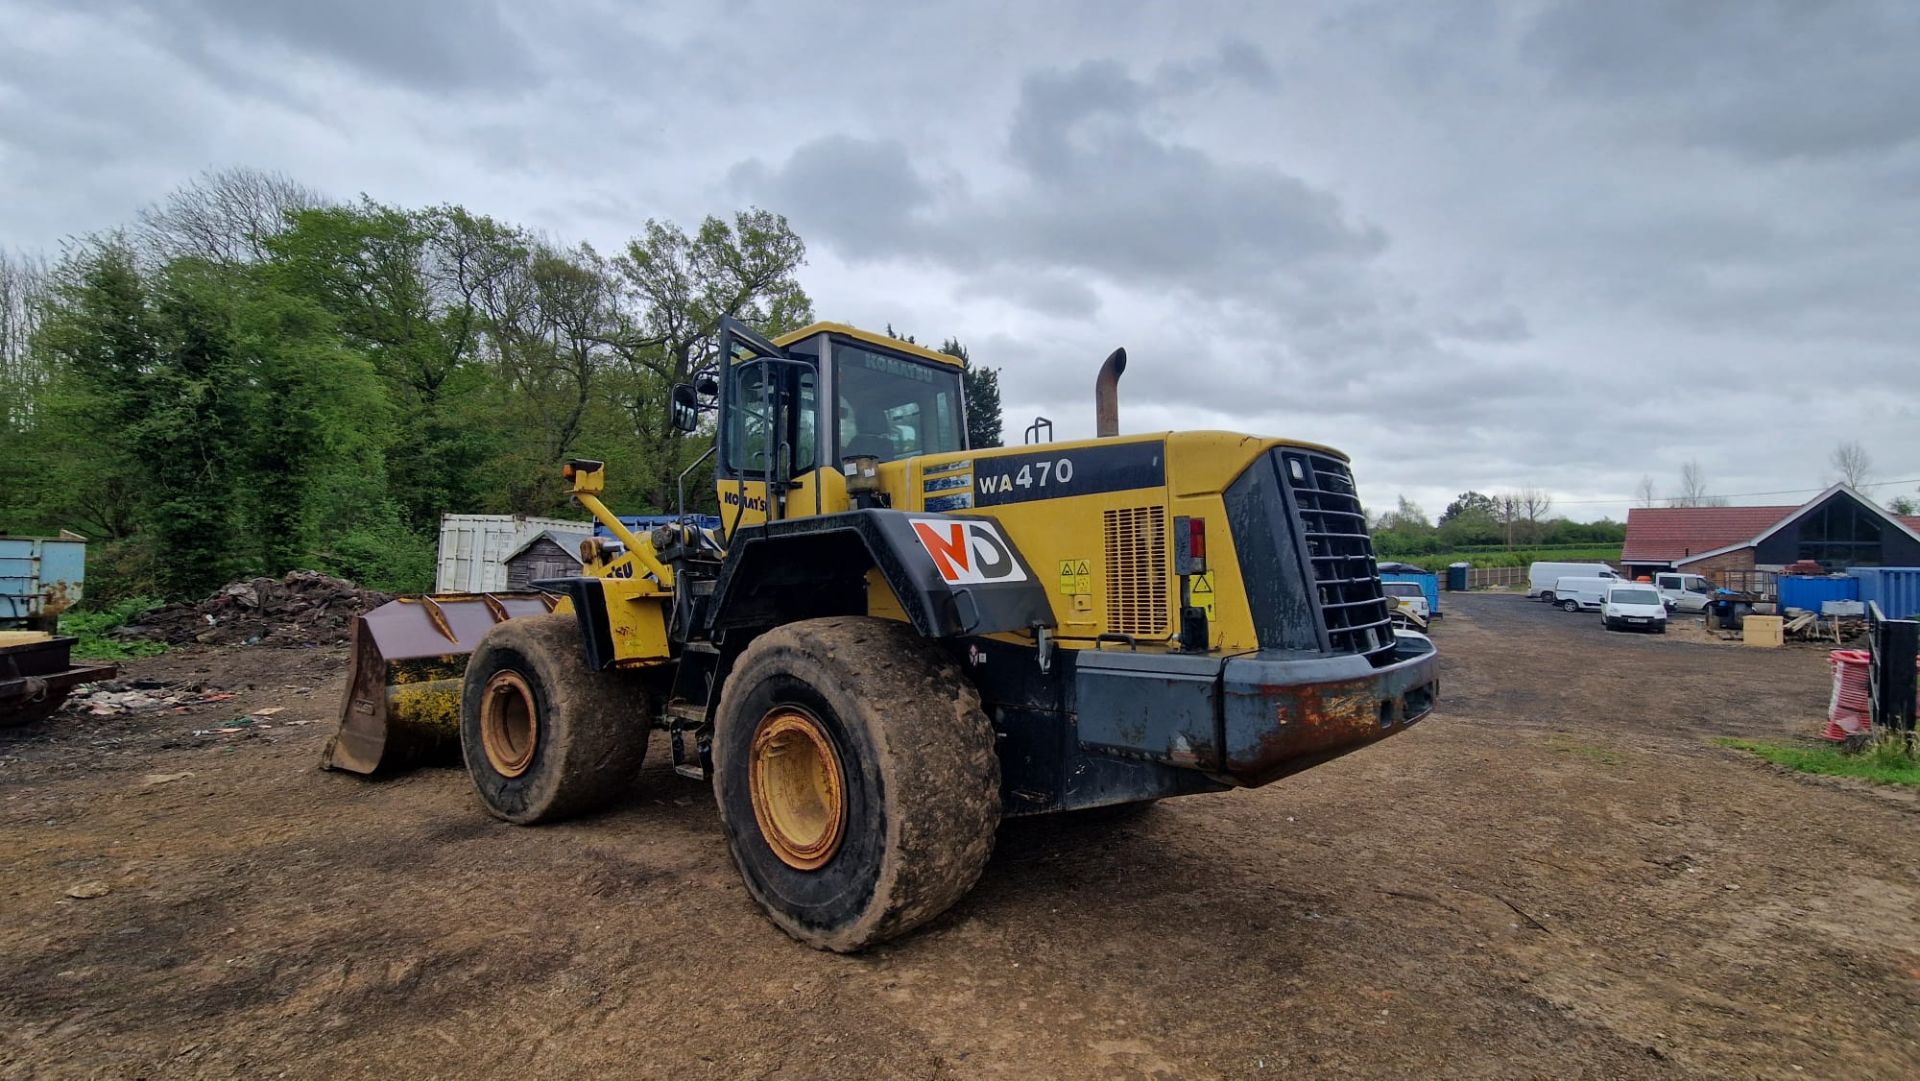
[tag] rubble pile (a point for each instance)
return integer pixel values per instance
(306, 608)
(118, 697)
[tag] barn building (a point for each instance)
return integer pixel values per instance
(1839, 528)
(549, 553)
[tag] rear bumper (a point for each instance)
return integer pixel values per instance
(1253, 718)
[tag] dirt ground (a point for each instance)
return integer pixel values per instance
(1557, 875)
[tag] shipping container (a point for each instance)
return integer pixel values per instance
(1807, 592)
(1895, 589)
(474, 548)
(39, 577)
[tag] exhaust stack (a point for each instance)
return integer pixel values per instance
(1106, 395)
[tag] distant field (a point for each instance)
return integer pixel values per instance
(1519, 557)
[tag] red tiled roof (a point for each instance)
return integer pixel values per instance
(1663, 534)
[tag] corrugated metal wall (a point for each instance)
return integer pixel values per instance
(1895, 589)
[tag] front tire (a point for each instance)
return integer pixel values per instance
(856, 777)
(1547, 595)
(545, 737)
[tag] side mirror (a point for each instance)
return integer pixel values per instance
(684, 407)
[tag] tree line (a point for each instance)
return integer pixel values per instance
(252, 378)
(1513, 519)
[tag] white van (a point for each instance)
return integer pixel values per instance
(1541, 576)
(1683, 592)
(1583, 594)
(1634, 606)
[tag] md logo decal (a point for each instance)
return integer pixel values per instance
(968, 552)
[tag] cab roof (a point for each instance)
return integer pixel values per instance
(870, 338)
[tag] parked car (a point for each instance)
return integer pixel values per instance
(1582, 594)
(1634, 606)
(1410, 604)
(1541, 576)
(1683, 592)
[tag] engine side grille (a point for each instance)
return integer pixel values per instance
(1138, 603)
(1333, 529)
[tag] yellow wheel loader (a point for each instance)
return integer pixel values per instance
(895, 641)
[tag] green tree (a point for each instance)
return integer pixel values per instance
(316, 449)
(401, 288)
(981, 387)
(192, 420)
(684, 285)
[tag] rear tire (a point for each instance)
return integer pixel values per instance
(1570, 606)
(544, 736)
(892, 816)
(1547, 595)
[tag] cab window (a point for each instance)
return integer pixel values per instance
(890, 407)
(756, 388)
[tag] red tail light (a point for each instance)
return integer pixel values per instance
(1197, 538)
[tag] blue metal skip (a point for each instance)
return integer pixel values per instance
(1808, 592)
(1895, 589)
(39, 575)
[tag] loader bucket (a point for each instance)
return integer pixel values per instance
(402, 706)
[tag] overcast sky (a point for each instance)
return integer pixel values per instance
(1474, 245)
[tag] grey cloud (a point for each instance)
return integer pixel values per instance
(1768, 79)
(861, 193)
(423, 44)
(1056, 295)
(1106, 192)
(1508, 324)
(1237, 59)
(1423, 233)
(1096, 191)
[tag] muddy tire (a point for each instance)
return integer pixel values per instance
(21, 714)
(544, 736)
(856, 777)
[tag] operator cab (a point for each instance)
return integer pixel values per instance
(820, 396)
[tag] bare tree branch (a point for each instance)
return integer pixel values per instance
(1851, 464)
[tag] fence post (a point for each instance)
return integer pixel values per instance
(1894, 645)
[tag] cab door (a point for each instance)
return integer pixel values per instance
(769, 436)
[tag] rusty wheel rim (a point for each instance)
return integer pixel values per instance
(509, 727)
(798, 788)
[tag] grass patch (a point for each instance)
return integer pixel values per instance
(91, 628)
(1884, 761)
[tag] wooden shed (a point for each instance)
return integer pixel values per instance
(550, 553)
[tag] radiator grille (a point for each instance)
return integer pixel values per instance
(1333, 528)
(1137, 600)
